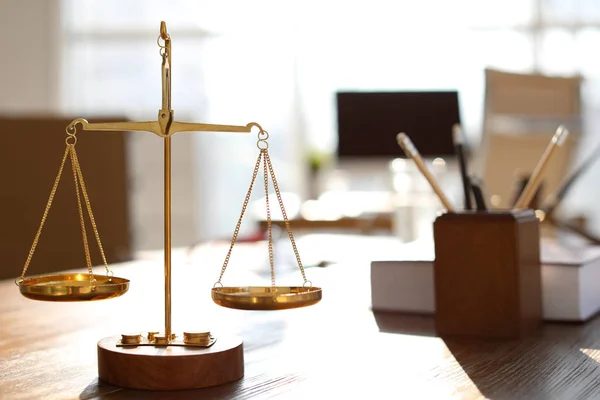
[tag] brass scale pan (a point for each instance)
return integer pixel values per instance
(266, 297)
(72, 287)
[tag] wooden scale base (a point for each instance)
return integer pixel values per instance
(170, 368)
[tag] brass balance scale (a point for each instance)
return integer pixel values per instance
(163, 361)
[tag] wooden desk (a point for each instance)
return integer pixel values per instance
(336, 349)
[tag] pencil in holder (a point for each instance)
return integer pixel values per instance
(487, 274)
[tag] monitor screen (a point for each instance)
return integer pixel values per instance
(368, 122)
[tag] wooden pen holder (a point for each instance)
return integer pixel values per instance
(487, 274)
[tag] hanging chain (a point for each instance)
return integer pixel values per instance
(70, 151)
(89, 210)
(86, 246)
(266, 179)
(287, 221)
(239, 222)
(263, 155)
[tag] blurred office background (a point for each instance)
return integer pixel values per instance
(279, 64)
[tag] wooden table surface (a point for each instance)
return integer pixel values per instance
(335, 349)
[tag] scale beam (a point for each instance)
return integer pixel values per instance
(155, 127)
(147, 126)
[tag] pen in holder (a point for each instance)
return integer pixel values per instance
(487, 274)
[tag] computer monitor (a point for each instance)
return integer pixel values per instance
(368, 123)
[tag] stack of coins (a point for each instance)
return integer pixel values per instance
(161, 340)
(131, 338)
(201, 338)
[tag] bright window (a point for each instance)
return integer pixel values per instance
(280, 63)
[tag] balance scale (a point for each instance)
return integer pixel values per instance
(165, 360)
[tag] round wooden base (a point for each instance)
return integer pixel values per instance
(170, 368)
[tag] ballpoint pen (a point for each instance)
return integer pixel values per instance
(411, 151)
(520, 187)
(478, 193)
(554, 199)
(536, 177)
(462, 162)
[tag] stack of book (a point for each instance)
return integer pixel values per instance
(570, 281)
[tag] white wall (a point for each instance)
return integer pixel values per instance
(30, 56)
